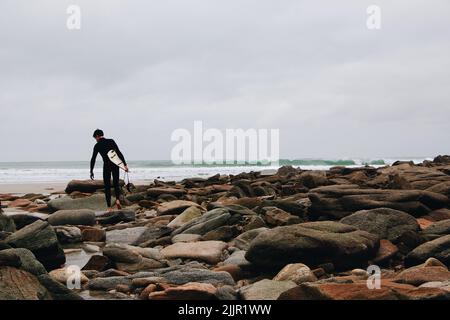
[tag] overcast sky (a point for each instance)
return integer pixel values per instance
(141, 69)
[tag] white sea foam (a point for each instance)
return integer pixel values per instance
(51, 172)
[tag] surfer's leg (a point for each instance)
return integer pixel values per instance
(107, 182)
(116, 176)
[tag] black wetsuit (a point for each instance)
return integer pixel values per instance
(103, 147)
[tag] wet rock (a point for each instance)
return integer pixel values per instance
(188, 291)
(57, 290)
(237, 258)
(64, 276)
(226, 293)
(437, 229)
(136, 235)
(387, 251)
(23, 219)
(313, 243)
(265, 290)
(278, 217)
(23, 259)
(438, 248)
(68, 234)
(93, 234)
(117, 216)
(186, 216)
(18, 284)
(108, 283)
(244, 239)
(297, 272)
(207, 222)
(186, 275)
(186, 237)
(337, 202)
(337, 291)
(223, 233)
(444, 285)
(7, 223)
(313, 179)
(175, 207)
(96, 202)
(420, 275)
(20, 203)
(41, 239)
(208, 251)
(386, 223)
(154, 192)
(98, 263)
(86, 186)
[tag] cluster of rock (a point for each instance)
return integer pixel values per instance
(293, 234)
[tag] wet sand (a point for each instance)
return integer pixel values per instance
(42, 188)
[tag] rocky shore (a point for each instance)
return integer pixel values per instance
(292, 234)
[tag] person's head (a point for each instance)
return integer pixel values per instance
(98, 134)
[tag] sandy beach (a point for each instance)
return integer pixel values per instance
(23, 188)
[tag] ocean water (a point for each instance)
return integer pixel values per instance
(64, 171)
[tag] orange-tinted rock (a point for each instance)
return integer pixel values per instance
(93, 234)
(20, 203)
(146, 292)
(386, 251)
(234, 270)
(417, 276)
(337, 291)
(424, 223)
(188, 291)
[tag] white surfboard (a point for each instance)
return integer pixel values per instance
(112, 155)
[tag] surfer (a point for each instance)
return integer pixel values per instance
(104, 146)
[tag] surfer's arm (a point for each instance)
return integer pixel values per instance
(93, 159)
(116, 148)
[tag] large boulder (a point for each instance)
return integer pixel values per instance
(6, 223)
(72, 217)
(386, 223)
(186, 275)
(95, 202)
(338, 201)
(438, 248)
(41, 239)
(16, 284)
(437, 229)
(244, 239)
(23, 259)
(313, 243)
(87, 186)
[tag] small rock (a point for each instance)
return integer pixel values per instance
(265, 289)
(297, 273)
(209, 251)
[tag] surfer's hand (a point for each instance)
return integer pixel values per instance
(92, 176)
(126, 169)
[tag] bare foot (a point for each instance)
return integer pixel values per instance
(119, 206)
(110, 209)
